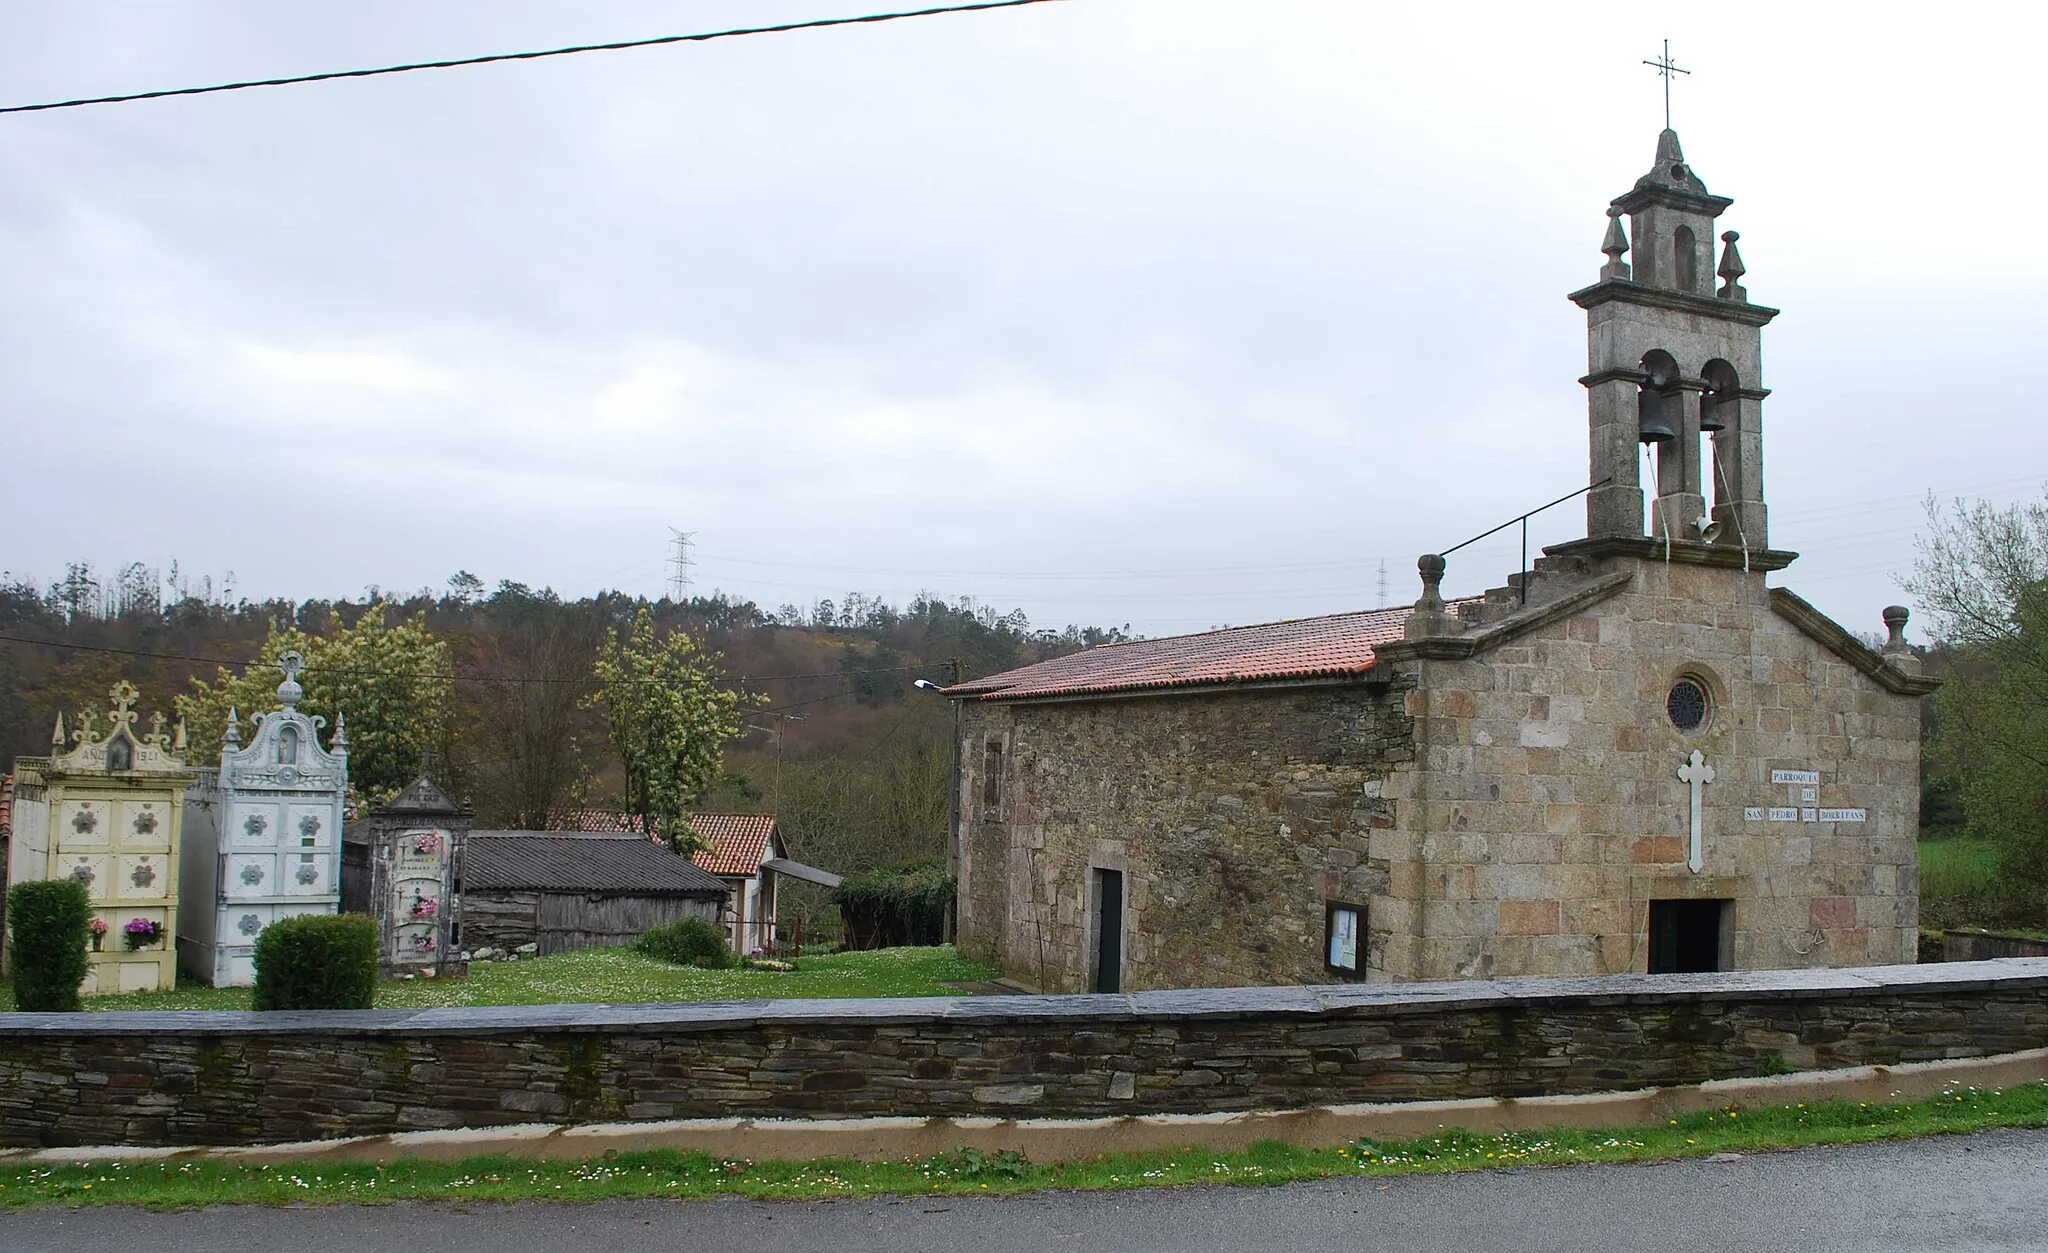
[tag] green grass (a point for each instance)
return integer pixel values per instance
(171, 1185)
(1957, 867)
(617, 976)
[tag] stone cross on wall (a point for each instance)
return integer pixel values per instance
(1697, 772)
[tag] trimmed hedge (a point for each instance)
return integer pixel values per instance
(48, 919)
(317, 961)
(687, 942)
(903, 905)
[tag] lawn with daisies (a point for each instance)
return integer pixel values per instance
(619, 976)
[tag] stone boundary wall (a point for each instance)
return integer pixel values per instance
(246, 1078)
(1974, 946)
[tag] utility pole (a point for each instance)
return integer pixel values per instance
(948, 933)
(680, 562)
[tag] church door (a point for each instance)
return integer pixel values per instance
(1109, 930)
(1685, 936)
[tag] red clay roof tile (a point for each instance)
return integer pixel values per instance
(1306, 648)
(737, 843)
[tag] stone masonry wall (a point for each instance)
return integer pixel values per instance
(1232, 816)
(230, 1078)
(1547, 811)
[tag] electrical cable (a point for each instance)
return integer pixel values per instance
(703, 37)
(591, 681)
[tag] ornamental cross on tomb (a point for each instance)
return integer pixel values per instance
(1697, 772)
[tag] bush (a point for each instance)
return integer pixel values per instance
(48, 919)
(317, 961)
(688, 942)
(905, 904)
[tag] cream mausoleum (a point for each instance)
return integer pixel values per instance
(105, 808)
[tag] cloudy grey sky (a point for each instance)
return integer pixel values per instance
(1163, 312)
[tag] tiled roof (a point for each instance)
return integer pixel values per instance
(738, 843)
(580, 862)
(1306, 648)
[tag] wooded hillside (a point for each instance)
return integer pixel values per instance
(851, 757)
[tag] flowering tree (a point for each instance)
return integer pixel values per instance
(670, 719)
(392, 682)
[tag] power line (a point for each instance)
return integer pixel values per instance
(680, 563)
(579, 681)
(703, 37)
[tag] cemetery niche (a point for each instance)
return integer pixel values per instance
(106, 809)
(261, 835)
(402, 864)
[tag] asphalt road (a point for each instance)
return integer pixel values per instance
(1958, 1192)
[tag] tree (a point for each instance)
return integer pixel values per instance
(392, 682)
(670, 720)
(528, 756)
(1981, 576)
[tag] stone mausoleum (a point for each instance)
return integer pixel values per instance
(1638, 756)
(262, 835)
(105, 810)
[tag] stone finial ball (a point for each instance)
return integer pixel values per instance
(1430, 565)
(1895, 616)
(1729, 237)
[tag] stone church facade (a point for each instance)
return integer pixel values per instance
(1637, 756)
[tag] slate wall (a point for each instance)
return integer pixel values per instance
(1234, 818)
(226, 1078)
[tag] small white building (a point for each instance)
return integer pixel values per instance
(262, 836)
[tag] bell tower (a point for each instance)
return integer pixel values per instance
(1673, 357)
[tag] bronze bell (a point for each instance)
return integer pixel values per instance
(1710, 413)
(1652, 408)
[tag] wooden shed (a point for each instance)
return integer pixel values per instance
(565, 890)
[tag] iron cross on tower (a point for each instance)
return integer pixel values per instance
(1664, 66)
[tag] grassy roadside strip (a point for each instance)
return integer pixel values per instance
(173, 1185)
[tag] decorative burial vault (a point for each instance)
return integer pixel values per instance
(403, 864)
(107, 812)
(262, 836)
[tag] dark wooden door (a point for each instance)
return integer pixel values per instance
(1685, 936)
(1109, 931)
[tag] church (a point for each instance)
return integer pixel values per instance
(1637, 756)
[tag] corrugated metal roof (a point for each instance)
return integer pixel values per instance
(576, 862)
(1336, 646)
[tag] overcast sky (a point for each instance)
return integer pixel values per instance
(1172, 313)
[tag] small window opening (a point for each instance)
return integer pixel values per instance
(1687, 704)
(992, 777)
(1343, 929)
(1685, 261)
